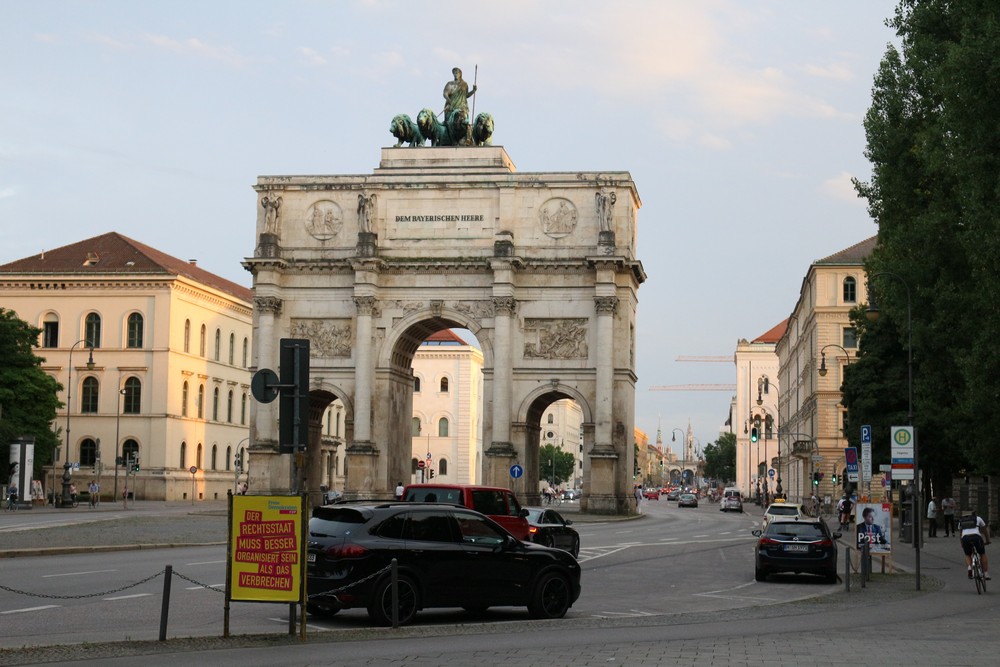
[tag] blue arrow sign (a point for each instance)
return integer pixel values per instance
(516, 471)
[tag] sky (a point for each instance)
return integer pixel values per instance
(740, 123)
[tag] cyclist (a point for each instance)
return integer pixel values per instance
(974, 530)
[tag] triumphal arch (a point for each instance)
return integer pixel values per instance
(540, 267)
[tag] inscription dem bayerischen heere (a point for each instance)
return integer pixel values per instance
(439, 218)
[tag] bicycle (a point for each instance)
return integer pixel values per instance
(977, 573)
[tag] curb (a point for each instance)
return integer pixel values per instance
(61, 551)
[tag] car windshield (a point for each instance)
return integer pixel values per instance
(335, 521)
(790, 531)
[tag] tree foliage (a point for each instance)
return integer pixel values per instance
(563, 464)
(720, 458)
(28, 395)
(933, 138)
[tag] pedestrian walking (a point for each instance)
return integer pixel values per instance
(94, 491)
(948, 510)
(399, 490)
(932, 517)
(638, 497)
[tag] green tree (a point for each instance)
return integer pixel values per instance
(933, 143)
(720, 458)
(551, 458)
(28, 395)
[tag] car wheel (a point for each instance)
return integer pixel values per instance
(315, 609)
(545, 540)
(380, 608)
(759, 574)
(551, 597)
(576, 548)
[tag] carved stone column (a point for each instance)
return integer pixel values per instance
(606, 307)
(504, 309)
(268, 309)
(363, 369)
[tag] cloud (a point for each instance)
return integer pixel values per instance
(312, 57)
(8, 192)
(44, 37)
(193, 46)
(111, 42)
(834, 71)
(840, 187)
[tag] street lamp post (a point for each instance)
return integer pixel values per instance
(823, 370)
(118, 421)
(673, 438)
(66, 499)
(872, 313)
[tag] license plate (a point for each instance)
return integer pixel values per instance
(311, 558)
(796, 547)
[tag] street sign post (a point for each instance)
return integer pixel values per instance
(851, 457)
(516, 471)
(901, 452)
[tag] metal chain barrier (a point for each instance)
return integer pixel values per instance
(352, 584)
(198, 583)
(84, 595)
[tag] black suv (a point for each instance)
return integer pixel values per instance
(796, 545)
(447, 557)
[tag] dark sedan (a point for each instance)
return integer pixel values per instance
(549, 528)
(796, 546)
(447, 557)
(687, 500)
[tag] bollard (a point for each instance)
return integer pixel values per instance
(394, 578)
(847, 569)
(165, 604)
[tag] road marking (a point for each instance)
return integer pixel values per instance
(696, 537)
(21, 611)
(128, 597)
(208, 562)
(197, 588)
(716, 594)
(622, 614)
(75, 574)
(308, 625)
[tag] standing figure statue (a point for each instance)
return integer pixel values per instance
(605, 203)
(272, 206)
(366, 211)
(457, 93)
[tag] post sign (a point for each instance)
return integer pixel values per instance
(265, 534)
(901, 452)
(851, 457)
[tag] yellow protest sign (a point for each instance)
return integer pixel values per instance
(265, 534)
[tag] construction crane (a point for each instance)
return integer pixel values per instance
(694, 387)
(709, 358)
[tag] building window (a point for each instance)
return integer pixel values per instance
(133, 396)
(443, 467)
(198, 460)
(88, 452)
(246, 351)
(229, 457)
(413, 466)
(187, 335)
(218, 344)
(243, 410)
(415, 426)
(229, 408)
(201, 343)
(215, 453)
(551, 418)
(443, 427)
(184, 448)
(201, 401)
(92, 329)
(215, 405)
(184, 399)
(416, 385)
(444, 385)
(232, 349)
(130, 449)
(50, 331)
(850, 338)
(134, 332)
(850, 290)
(88, 399)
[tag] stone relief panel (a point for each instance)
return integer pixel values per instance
(555, 338)
(327, 338)
(558, 217)
(477, 310)
(324, 220)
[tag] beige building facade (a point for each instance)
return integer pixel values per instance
(169, 382)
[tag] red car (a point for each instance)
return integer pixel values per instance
(651, 494)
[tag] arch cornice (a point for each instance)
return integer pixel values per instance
(557, 388)
(397, 330)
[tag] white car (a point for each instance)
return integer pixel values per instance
(783, 511)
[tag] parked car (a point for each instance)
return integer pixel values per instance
(651, 494)
(549, 528)
(780, 509)
(804, 545)
(498, 503)
(731, 499)
(447, 556)
(687, 500)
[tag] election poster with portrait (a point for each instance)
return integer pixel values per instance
(266, 547)
(874, 523)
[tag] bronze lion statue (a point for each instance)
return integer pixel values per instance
(406, 131)
(432, 128)
(482, 130)
(458, 127)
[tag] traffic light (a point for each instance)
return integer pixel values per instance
(432, 473)
(238, 462)
(834, 478)
(135, 466)
(815, 479)
(293, 400)
(754, 434)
